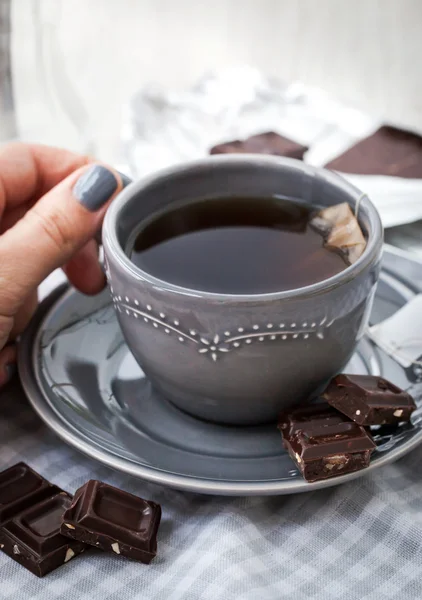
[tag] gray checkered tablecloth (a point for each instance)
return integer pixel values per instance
(359, 541)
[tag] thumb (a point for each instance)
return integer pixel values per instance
(58, 225)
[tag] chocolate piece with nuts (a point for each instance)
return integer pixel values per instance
(111, 519)
(31, 511)
(369, 400)
(323, 443)
(322, 414)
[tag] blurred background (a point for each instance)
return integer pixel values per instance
(69, 68)
(74, 63)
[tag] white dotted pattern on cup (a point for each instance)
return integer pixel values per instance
(216, 345)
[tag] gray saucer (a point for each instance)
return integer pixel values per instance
(83, 382)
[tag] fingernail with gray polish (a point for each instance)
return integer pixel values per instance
(125, 179)
(95, 187)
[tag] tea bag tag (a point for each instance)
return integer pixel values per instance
(400, 336)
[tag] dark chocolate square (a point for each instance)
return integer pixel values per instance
(21, 488)
(322, 414)
(111, 519)
(388, 151)
(33, 537)
(316, 441)
(323, 443)
(369, 400)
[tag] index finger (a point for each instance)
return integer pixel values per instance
(28, 171)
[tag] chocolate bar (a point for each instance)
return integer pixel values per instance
(388, 151)
(262, 143)
(31, 511)
(233, 147)
(111, 519)
(324, 444)
(21, 488)
(369, 400)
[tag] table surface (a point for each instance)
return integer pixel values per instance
(359, 541)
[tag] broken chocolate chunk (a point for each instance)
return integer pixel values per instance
(322, 414)
(369, 400)
(323, 443)
(111, 519)
(262, 143)
(388, 151)
(233, 147)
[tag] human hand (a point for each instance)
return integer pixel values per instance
(52, 202)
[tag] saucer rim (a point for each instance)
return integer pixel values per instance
(27, 353)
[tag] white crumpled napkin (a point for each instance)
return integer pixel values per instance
(165, 127)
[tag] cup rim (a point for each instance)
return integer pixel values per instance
(111, 242)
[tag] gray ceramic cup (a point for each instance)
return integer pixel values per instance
(239, 359)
